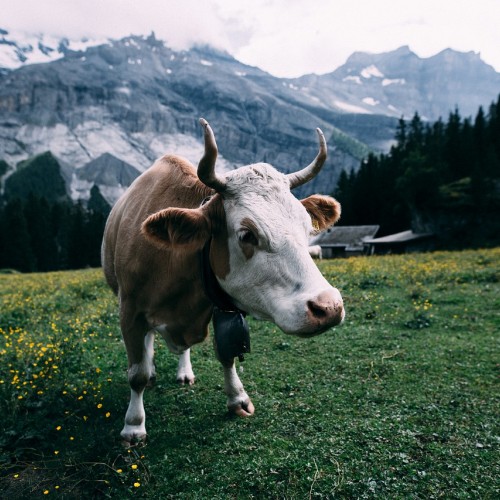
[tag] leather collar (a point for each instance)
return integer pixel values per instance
(213, 290)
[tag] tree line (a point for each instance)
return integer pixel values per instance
(441, 177)
(41, 235)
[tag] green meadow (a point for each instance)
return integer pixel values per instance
(402, 401)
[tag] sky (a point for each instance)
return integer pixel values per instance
(287, 38)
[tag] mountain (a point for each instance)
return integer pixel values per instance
(399, 83)
(137, 99)
(108, 173)
(19, 49)
(132, 100)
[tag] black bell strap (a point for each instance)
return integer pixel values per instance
(231, 333)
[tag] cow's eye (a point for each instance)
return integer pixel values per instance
(248, 238)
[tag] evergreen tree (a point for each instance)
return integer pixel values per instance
(78, 243)
(37, 213)
(17, 251)
(60, 217)
(494, 132)
(442, 177)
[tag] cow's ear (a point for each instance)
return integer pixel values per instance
(323, 210)
(177, 227)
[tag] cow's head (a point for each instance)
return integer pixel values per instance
(259, 240)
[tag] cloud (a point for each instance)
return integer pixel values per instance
(284, 37)
(182, 23)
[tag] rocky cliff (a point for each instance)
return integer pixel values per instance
(136, 99)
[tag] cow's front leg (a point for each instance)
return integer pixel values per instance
(185, 373)
(238, 401)
(141, 371)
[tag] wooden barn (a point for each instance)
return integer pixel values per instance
(344, 241)
(406, 241)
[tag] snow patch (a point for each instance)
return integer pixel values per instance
(85, 43)
(132, 43)
(395, 81)
(371, 71)
(124, 90)
(313, 97)
(240, 73)
(370, 101)
(355, 79)
(204, 62)
(350, 108)
(19, 48)
(79, 188)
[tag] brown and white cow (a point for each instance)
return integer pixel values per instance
(255, 233)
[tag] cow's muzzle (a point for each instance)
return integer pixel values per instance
(323, 312)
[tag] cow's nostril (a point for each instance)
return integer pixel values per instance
(326, 309)
(318, 311)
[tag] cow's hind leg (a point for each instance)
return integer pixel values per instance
(185, 373)
(238, 401)
(141, 371)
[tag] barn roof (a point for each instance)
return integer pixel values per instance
(402, 237)
(345, 236)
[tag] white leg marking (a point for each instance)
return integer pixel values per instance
(185, 373)
(238, 401)
(139, 374)
(135, 418)
(149, 352)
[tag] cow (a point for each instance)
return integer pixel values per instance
(315, 252)
(177, 228)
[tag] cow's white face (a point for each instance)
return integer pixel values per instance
(259, 240)
(271, 274)
(259, 250)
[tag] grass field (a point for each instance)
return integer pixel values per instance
(402, 401)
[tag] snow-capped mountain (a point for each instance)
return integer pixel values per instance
(18, 49)
(398, 83)
(136, 99)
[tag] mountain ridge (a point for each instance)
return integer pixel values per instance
(135, 99)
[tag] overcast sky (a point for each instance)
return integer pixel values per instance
(287, 38)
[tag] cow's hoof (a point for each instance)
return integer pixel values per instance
(133, 434)
(242, 408)
(186, 380)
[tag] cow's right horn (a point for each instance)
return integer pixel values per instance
(306, 174)
(206, 167)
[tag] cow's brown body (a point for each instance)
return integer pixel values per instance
(256, 233)
(161, 286)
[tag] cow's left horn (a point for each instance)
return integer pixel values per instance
(206, 167)
(306, 174)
